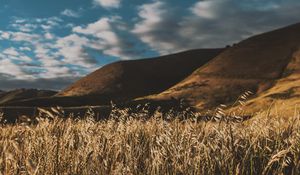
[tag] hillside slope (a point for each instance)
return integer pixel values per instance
(251, 65)
(23, 94)
(283, 99)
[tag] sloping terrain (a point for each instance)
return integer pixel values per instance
(22, 94)
(126, 80)
(283, 99)
(254, 64)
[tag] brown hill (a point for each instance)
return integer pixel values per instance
(126, 80)
(254, 64)
(283, 99)
(134, 78)
(22, 94)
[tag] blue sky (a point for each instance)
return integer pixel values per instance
(49, 44)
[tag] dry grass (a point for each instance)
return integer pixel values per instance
(131, 145)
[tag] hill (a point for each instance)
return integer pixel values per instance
(283, 98)
(125, 80)
(23, 94)
(254, 64)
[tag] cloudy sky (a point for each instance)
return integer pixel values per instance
(49, 43)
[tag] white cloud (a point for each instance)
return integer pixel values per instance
(55, 72)
(94, 28)
(9, 68)
(25, 58)
(207, 9)
(41, 50)
(25, 48)
(26, 37)
(48, 20)
(157, 27)
(48, 23)
(70, 13)
(49, 36)
(49, 58)
(18, 21)
(211, 23)
(108, 3)
(13, 54)
(11, 51)
(50, 61)
(24, 27)
(4, 35)
(70, 25)
(101, 30)
(72, 49)
(151, 14)
(105, 39)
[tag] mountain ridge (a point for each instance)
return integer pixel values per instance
(22, 94)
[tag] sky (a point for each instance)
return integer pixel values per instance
(48, 44)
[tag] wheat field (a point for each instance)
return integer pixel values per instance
(128, 144)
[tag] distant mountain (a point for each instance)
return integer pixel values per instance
(255, 64)
(23, 94)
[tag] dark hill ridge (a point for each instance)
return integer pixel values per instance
(22, 94)
(126, 80)
(1, 92)
(254, 64)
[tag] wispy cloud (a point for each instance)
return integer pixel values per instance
(105, 38)
(46, 62)
(10, 69)
(157, 27)
(13, 54)
(70, 13)
(11, 51)
(108, 3)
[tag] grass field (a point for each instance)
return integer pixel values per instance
(131, 145)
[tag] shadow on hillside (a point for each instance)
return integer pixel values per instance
(143, 109)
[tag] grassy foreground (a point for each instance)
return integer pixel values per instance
(134, 146)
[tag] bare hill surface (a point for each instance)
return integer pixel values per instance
(283, 99)
(254, 64)
(23, 94)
